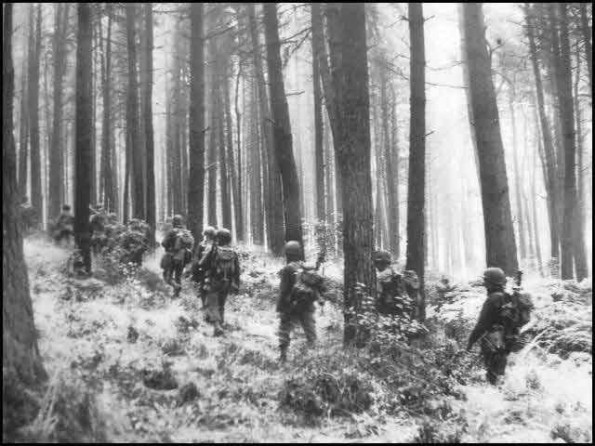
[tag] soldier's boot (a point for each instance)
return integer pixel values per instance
(283, 355)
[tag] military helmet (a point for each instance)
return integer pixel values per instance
(223, 236)
(66, 207)
(382, 256)
(494, 276)
(178, 220)
(293, 248)
(209, 231)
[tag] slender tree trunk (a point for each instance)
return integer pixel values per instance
(84, 150)
(239, 203)
(586, 32)
(256, 207)
(499, 233)
(148, 119)
(417, 152)
(21, 361)
(517, 179)
(282, 137)
(197, 122)
(132, 118)
(24, 135)
(108, 162)
(229, 155)
(34, 134)
(572, 237)
(212, 156)
(223, 170)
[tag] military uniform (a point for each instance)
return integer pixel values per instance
(222, 276)
(204, 250)
(289, 317)
(174, 262)
(497, 337)
(64, 227)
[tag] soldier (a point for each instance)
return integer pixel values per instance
(444, 291)
(391, 292)
(178, 243)
(204, 250)
(64, 226)
(222, 267)
(300, 287)
(499, 323)
(412, 285)
(98, 221)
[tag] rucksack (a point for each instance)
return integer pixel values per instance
(306, 288)
(516, 310)
(223, 266)
(184, 240)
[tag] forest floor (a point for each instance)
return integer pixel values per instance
(129, 364)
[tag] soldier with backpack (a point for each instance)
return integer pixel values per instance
(391, 298)
(203, 251)
(300, 287)
(499, 323)
(222, 276)
(178, 244)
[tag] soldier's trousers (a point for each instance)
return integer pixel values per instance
(215, 305)
(288, 322)
(495, 363)
(174, 272)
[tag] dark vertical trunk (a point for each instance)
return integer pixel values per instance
(84, 150)
(499, 233)
(535, 222)
(352, 147)
(391, 153)
(212, 156)
(550, 177)
(23, 135)
(56, 149)
(417, 151)
(229, 150)
(318, 135)
(33, 90)
(108, 162)
(132, 118)
(282, 138)
(586, 32)
(21, 361)
(197, 122)
(148, 120)
(256, 208)
(272, 179)
(223, 168)
(572, 237)
(239, 203)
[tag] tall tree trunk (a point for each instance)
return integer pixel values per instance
(282, 137)
(223, 168)
(229, 150)
(21, 361)
(352, 147)
(499, 233)
(256, 207)
(132, 118)
(23, 135)
(57, 145)
(550, 178)
(318, 138)
(197, 122)
(34, 135)
(239, 203)
(108, 162)
(517, 178)
(84, 150)
(417, 152)
(581, 209)
(586, 32)
(273, 189)
(212, 155)
(148, 120)
(572, 237)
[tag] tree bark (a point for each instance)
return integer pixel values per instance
(318, 132)
(499, 233)
(23, 136)
(282, 137)
(84, 150)
(148, 120)
(34, 135)
(417, 152)
(110, 197)
(21, 360)
(132, 118)
(588, 45)
(197, 122)
(572, 237)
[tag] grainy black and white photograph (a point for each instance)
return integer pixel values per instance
(297, 222)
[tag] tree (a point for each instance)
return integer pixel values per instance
(33, 91)
(417, 151)
(197, 122)
(148, 121)
(282, 138)
(572, 237)
(586, 32)
(352, 148)
(132, 119)
(83, 132)
(56, 192)
(499, 232)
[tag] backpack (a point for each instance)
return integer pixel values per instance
(306, 288)
(183, 244)
(223, 269)
(516, 310)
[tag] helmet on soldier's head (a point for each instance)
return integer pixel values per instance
(494, 276)
(293, 249)
(178, 220)
(209, 232)
(223, 236)
(66, 207)
(382, 256)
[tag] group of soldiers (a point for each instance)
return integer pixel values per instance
(215, 272)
